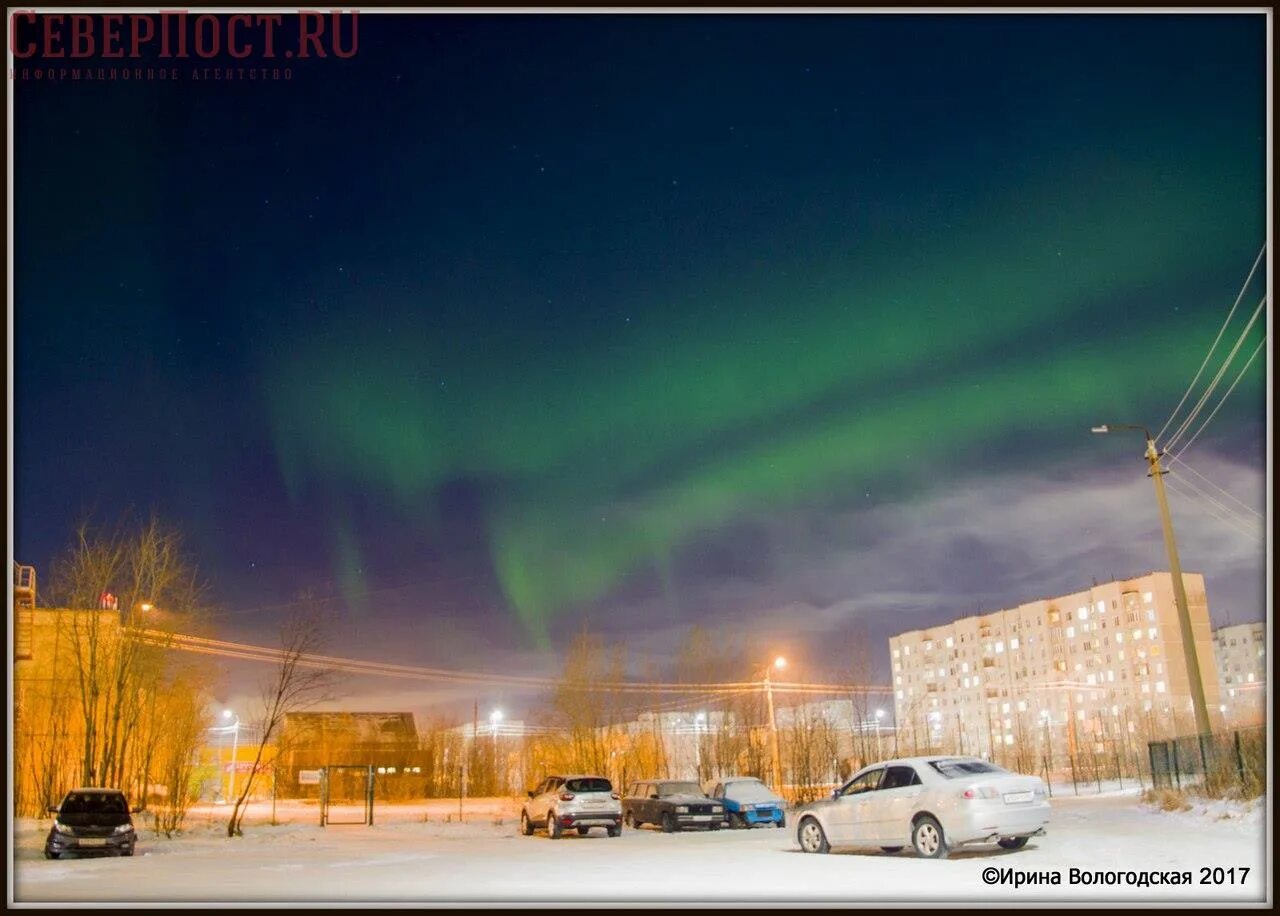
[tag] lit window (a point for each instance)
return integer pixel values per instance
(1071, 632)
(1013, 643)
(1137, 634)
(950, 642)
(1159, 686)
(1146, 688)
(382, 769)
(1250, 677)
(976, 681)
(1008, 723)
(1151, 633)
(1004, 707)
(1146, 596)
(898, 680)
(1111, 676)
(1115, 710)
(1022, 706)
(1092, 679)
(906, 650)
(895, 653)
(1151, 614)
(1102, 606)
(1008, 739)
(1079, 667)
(899, 694)
(391, 769)
(1119, 637)
(1080, 715)
(965, 682)
(964, 667)
(1083, 613)
(1000, 646)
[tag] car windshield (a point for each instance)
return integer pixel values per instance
(93, 803)
(958, 769)
(589, 784)
(750, 791)
(679, 788)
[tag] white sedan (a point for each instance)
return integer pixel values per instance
(932, 803)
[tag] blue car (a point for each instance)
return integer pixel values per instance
(748, 801)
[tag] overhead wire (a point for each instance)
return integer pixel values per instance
(1213, 346)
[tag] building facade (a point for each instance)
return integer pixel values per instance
(1094, 671)
(1241, 655)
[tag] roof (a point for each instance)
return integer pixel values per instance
(91, 789)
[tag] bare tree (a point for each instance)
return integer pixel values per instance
(113, 655)
(296, 685)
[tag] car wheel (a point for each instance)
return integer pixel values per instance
(526, 826)
(127, 852)
(50, 855)
(891, 849)
(583, 831)
(812, 837)
(738, 821)
(632, 821)
(668, 823)
(714, 825)
(781, 822)
(1014, 842)
(927, 838)
(553, 826)
(615, 830)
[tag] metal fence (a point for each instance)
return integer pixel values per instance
(1216, 764)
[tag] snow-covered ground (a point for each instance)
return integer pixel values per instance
(422, 854)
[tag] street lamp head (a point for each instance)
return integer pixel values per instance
(879, 713)
(226, 714)
(146, 606)
(495, 716)
(700, 717)
(779, 663)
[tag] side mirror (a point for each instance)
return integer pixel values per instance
(53, 809)
(835, 793)
(653, 796)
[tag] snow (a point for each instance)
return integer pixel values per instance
(422, 853)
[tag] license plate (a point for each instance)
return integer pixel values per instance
(596, 804)
(93, 841)
(702, 817)
(1013, 798)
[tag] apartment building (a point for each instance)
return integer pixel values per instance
(1076, 673)
(1241, 655)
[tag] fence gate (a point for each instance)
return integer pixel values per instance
(346, 795)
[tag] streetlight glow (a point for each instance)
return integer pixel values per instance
(779, 663)
(1103, 428)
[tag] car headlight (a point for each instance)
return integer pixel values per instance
(682, 809)
(63, 828)
(125, 828)
(716, 809)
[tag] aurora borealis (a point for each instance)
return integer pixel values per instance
(585, 311)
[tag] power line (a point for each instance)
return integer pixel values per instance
(1225, 519)
(1186, 467)
(248, 652)
(1225, 509)
(1214, 413)
(1213, 346)
(1186, 424)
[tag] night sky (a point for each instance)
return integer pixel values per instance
(790, 326)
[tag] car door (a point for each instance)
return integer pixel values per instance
(633, 801)
(852, 819)
(895, 804)
(545, 799)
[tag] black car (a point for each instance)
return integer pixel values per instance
(672, 804)
(93, 822)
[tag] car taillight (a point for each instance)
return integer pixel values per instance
(614, 795)
(566, 796)
(980, 792)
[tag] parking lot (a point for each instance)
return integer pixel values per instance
(424, 854)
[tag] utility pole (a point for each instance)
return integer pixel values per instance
(773, 731)
(1179, 589)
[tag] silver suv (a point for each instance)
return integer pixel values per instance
(561, 803)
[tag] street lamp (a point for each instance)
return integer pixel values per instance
(1175, 570)
(698, 721)
(235, 748)
(779, 664)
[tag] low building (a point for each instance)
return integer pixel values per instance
(346, 744)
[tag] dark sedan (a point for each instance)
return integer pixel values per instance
(93, 822)
(671, 804)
